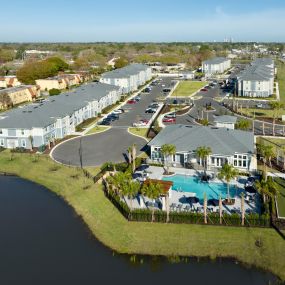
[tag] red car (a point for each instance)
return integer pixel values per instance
(204, 90)
(168, 120)
(132, 101)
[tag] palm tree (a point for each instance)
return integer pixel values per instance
(243, 125)
(167, 150)
(134, 154)
(131, 189)
(267, 188)
(120, 181)
(152, 191)
(228, 172)
(203, 152)
(276, 106)
(267, 153)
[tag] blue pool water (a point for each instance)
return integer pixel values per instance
(193, 184)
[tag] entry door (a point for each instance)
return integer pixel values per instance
(12, 143)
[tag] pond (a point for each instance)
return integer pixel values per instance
(42, 241)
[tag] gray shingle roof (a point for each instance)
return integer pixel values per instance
(126, 71)
(41, 115)
(221, 140)
(225, 119)
(215, 60)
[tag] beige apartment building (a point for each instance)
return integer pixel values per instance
(9, 81)
(10, 97)
(60, 82)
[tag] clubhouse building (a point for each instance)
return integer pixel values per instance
(235, 147)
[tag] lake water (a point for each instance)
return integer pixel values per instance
(43, 242)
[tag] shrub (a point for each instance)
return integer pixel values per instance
(54, 92)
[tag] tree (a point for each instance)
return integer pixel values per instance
(228, 172)
(276, 106)
(203, 152)
(54, 92)
(267, 188)
(243, 125)
(134, 154)
(167, 150)
(121, 62)
(152, 191)
(267, 153)
(120, 181)
(131, 189)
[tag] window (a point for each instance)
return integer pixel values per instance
(1, 131)
(23, 143)
(1, 142)
(244, 163)
(244, 157)
(22, 132)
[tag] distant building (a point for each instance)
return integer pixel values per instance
(128, 78)
(9, 81)
(10, 97)
(257, 80)
(186, 74)
(38, 124)
(60, 82)
(216, 65)
(225, 121)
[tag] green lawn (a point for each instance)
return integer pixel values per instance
(281, 197)
(259, 112)
(139, 132)
(187, 88)
(97, 129)
(114, 231)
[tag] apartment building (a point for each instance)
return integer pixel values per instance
(9, 81)
(10, 97)
(257, 80)
(129, 78)
(37, 124)
(216, 65)
(60, 82)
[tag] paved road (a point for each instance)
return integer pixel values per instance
(96, 149)
(209, 98)
(136, 112)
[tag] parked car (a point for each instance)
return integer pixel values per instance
(132, 101)
(168, 120)
(153, 105)
(172, 115)
(259, 106)
(105, 123)
(147, 90)
(118, 111)
(204, 90)
(150, 110)
(113, 116)
(137, 98)
(141, 123)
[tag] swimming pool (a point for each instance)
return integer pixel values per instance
(193, 184)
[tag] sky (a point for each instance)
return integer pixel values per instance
(141, 20)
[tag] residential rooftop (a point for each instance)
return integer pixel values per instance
(126, 71)
(39, 115)
(222, 141)
(216, 60)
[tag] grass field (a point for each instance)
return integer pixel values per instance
(98, 129)
(114, 231)
(187, 88)
(259, 112)
(139, 132)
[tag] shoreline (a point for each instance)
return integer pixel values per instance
(107, 225)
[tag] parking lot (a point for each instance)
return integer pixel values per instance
(135, 112)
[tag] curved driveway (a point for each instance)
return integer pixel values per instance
(94, 150)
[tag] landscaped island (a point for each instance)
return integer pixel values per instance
(109, 226)
(188, 88)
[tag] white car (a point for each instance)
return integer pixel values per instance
(140, 123)
(118, 111)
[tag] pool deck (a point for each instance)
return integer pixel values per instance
(179, 198)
